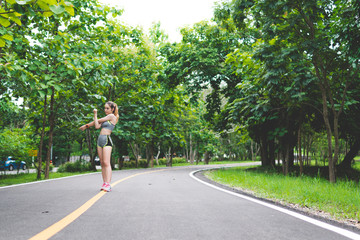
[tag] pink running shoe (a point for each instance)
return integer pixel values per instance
(106, 188)
(103, 186)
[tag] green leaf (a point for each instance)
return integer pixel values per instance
(7, 37)
(57, 9)
(58, 87)
(48, 14)
(21, 2)
(70, 10)
(43, 6)
(272, 41)
(11, 1)
(50, 2)
(16, 20)
(42, 94)
(2, 42)
(4, 22)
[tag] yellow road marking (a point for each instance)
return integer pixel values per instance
(58, 226)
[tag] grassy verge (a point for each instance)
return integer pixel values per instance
(340, 200)
(10, 179)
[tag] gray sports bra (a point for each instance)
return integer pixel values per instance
(108, 125)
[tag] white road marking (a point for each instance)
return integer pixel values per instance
(327, 226)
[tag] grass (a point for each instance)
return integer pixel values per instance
(341, 200)
(11, 179)
(356, 166)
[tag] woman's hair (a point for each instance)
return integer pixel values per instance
(114, 109)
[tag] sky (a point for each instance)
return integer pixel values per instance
(172, 14)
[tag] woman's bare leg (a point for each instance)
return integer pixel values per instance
(100, 153)
(105, 164)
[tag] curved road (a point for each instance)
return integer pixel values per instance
(147, 204)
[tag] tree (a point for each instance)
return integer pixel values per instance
(305, 33)
(16, 142)
(198, 63)
(51, 67)
(14, 13)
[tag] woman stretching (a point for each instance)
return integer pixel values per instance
(104, 143)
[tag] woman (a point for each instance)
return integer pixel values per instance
(104, 143)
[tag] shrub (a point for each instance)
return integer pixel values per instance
(132, 164)
(75, 167)
(179, 160)
(143, 163)
(44, 166)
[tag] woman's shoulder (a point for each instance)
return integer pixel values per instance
(113, 118)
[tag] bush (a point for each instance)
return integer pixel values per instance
(43, 164)
(143, 164)
(132, 164)
(179, 160)
(75, 167)
(16, 142)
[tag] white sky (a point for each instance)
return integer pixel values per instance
(172, 14)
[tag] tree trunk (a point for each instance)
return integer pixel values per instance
(39, 155)
(336, 138)
(92, 154)
(299, 152)
(285, 159)
(264, 151)
(326, 95)
(171, 156)
(136, 150)
(51, 131)
(271, 153)
(354, 149)
(150, 155)
(69, 153)
(157, 155)
(332, 176)
(168, 156)
(253, 151)
(187, 151)
(191, 153)
(207, 157)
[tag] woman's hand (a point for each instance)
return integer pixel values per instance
(82, 128)
(95, 111)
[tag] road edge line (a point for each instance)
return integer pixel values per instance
(46, 180)
(318, 223)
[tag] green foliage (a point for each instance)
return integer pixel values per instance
(16, 142)
(250, 74)
(13, 12)
(77, 166)
(51, 166)
(143, 163)
(11, 114)
(286, 48)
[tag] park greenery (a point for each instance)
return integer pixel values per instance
(274, 80)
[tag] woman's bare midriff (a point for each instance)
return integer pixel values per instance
(105, 132)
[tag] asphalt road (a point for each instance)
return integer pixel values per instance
(147, 204)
